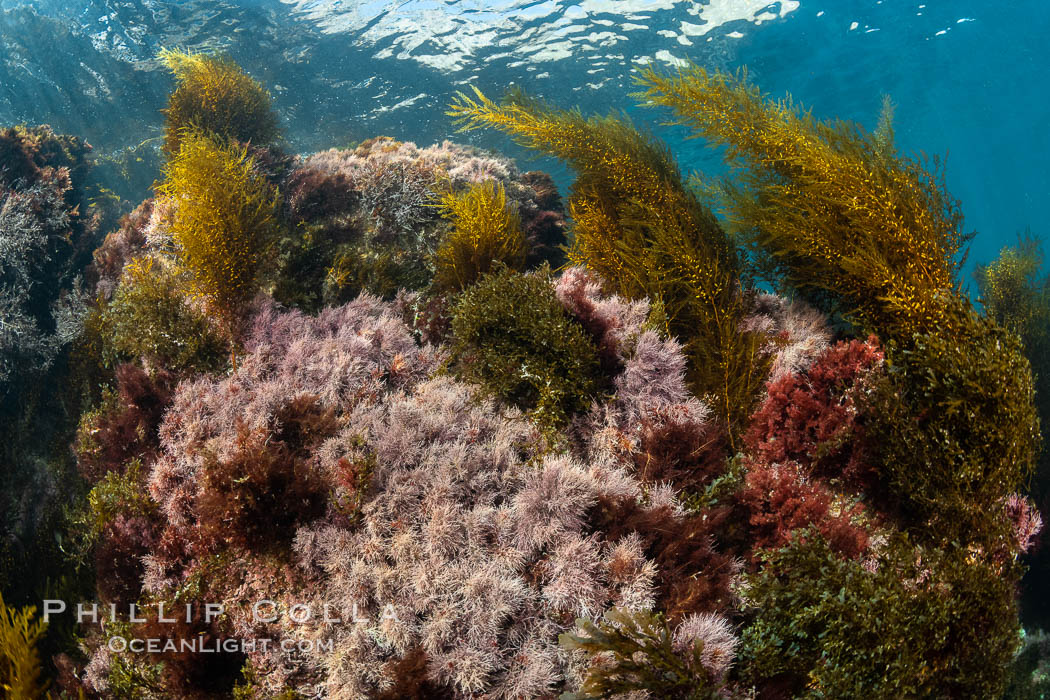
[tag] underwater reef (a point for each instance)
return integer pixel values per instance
(49, 225)
(431, 432)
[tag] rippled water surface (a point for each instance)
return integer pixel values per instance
(968, 77)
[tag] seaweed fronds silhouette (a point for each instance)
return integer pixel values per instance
(1015, 291)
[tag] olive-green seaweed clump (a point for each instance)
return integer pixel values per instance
(149, 317)
(1015, 291)
(117, 494)
(513, 337)
(643, 658)
(646, 234)
(380, 271)
(213, 94)
(923, 623)
(955, 430)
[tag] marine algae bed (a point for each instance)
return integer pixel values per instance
(539, 448)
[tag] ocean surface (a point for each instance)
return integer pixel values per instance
(968, 78)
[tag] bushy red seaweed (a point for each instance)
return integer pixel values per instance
(125, 426)
(812, 417)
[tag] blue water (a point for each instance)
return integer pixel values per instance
(968, 77)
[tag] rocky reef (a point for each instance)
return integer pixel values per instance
(397, 422)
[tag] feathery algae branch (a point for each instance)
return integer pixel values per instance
(836, 208)
(224, 220)
(485, 232)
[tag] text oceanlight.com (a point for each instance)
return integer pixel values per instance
(203, 645)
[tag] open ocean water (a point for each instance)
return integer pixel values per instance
(968, 78)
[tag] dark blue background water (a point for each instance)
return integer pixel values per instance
(968, 77)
